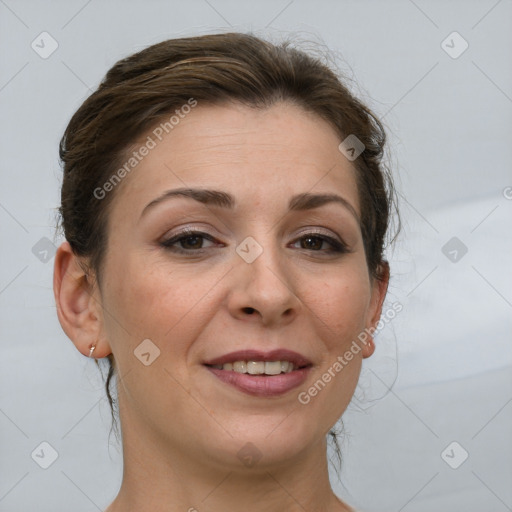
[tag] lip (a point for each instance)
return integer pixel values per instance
(257, 355)
(262, 385)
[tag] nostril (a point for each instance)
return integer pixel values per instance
(249, 311)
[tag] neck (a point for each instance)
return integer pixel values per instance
(162, 478)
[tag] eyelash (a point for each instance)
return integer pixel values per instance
(338, 247)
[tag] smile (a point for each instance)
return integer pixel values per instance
(261, 374)
(258, 367)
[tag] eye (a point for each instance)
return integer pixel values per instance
(191, 241)
(187, 241)
(315, 241)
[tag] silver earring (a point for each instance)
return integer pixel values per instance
(91, 350)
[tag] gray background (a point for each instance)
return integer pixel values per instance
(447, 356)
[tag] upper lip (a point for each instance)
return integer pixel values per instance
(257, 355)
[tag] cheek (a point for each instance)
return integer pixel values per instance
(339, 318)
(341, 306)
(339, 312)
(147, 300)
(150, 300)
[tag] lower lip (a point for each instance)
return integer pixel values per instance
(261, 385)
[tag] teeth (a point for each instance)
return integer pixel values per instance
(258, 367)
(255, 367)
(238, 366)
(273, 367)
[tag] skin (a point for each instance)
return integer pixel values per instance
(182, 427)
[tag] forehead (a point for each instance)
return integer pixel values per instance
(274, 152)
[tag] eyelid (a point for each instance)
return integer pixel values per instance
(318, 231)
(337, 246)
(322, 231)
(171, 242)
(305, 231)
(188, 230)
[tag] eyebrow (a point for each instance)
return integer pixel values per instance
(299, 202)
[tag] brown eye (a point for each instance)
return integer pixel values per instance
(191, 242)
(314, 242)
(187, 242)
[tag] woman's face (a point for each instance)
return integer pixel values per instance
(268, 267)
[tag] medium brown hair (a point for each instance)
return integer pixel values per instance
(141, 90)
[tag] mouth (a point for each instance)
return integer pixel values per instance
(261, 374)
(257, 367)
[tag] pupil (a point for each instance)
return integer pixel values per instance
(313, 245)
(194, 238)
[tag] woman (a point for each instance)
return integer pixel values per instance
(225, 211)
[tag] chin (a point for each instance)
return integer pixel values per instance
(267, 443)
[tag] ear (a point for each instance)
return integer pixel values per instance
(379, 290)
(78, 303)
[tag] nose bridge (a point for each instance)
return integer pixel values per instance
(262, 282)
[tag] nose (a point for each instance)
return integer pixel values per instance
(263, 290)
